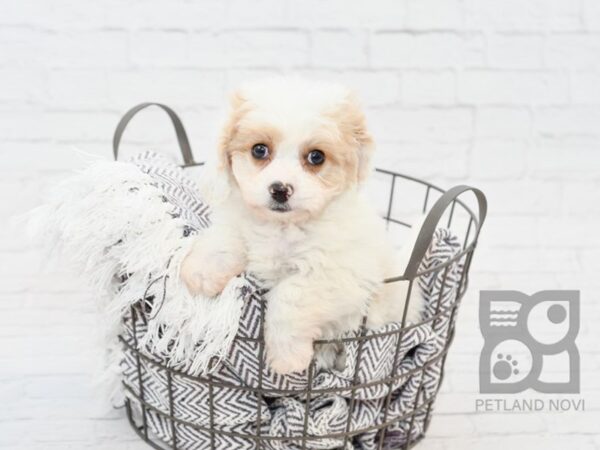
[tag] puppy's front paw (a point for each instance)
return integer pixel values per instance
(203, 282)
(208, 276)
(287, 356)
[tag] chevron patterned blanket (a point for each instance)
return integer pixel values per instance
(228, 404)
(126, 226)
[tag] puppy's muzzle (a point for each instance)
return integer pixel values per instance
(281, 192)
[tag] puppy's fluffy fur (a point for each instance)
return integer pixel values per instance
(319, 247)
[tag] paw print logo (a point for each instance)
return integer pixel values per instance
(524, 336)
(505, 367)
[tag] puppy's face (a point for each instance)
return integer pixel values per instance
(293, 147)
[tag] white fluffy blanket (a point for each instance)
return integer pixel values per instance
(123, 226)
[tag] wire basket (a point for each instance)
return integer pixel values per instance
(149, 408)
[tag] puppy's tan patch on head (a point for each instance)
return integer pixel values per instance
(241, 133)
(248, 135)
(239, 107)
(331, 172)
(315, 169)
(346, 143)
(354, 134)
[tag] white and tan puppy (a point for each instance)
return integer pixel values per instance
(295, 153)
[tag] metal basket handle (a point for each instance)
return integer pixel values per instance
(182, 138)
(431, 221)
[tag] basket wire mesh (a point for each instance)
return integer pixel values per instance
(446, 210)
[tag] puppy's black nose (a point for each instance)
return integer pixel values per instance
(280, 192)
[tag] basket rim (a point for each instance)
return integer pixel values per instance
(474, 219)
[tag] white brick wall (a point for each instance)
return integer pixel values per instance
(504, 95)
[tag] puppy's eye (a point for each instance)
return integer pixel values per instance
(315, 157)
(260, 151)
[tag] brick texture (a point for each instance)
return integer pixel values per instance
(504, 95)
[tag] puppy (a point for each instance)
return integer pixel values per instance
(295, 153)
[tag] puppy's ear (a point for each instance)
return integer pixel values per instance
(218, 177)
(236, 111)
(357, 127)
